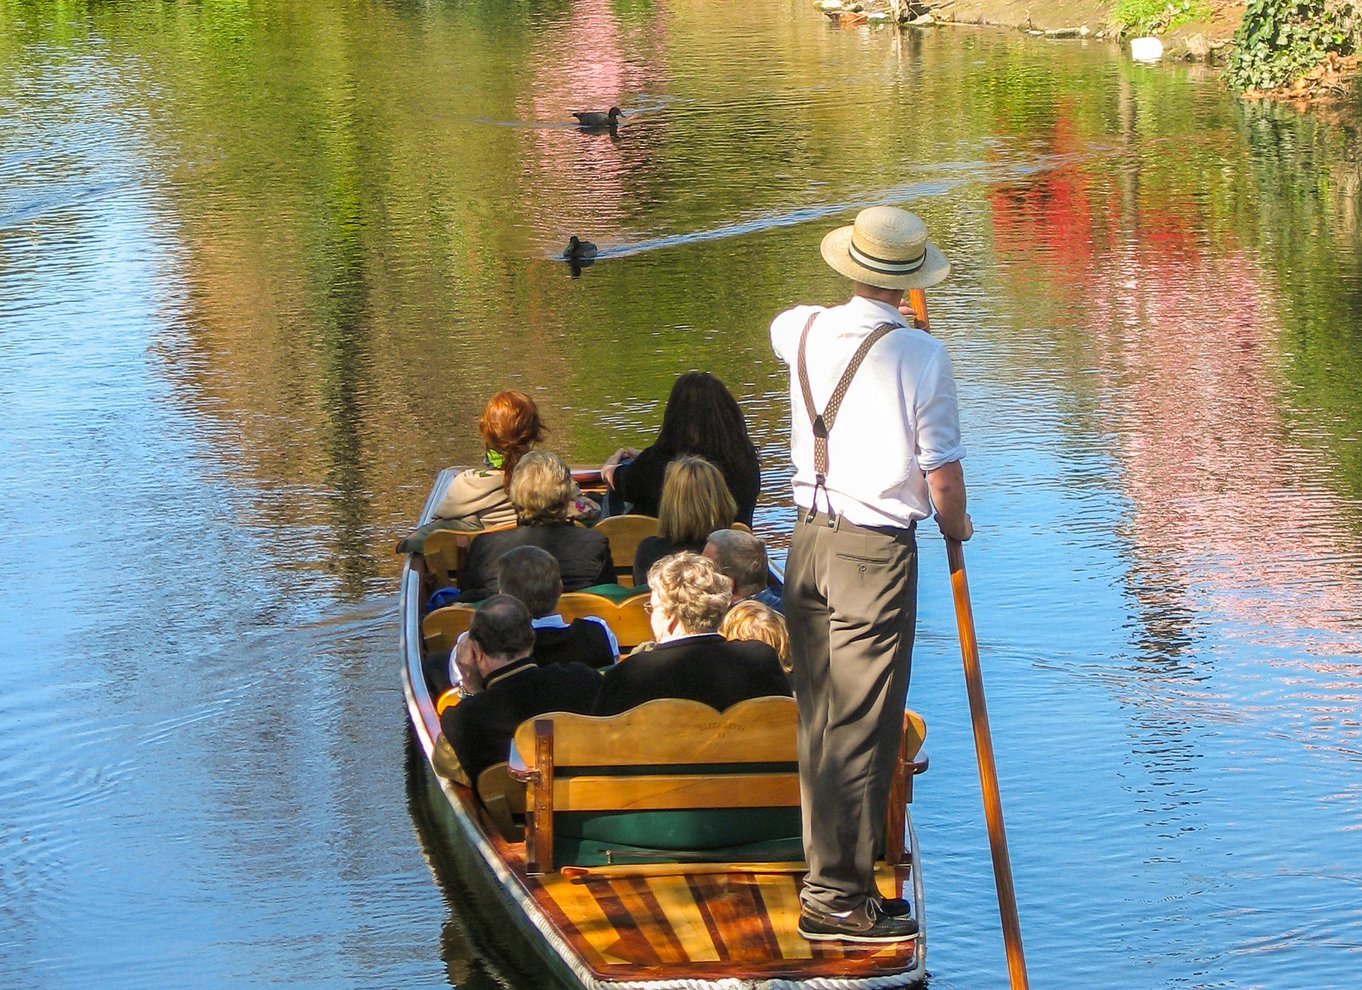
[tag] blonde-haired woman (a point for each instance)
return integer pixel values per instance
(695, 502)
(542, 493)
(687, 600)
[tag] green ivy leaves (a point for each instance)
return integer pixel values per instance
(1280, 41)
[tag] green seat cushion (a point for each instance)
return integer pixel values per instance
(702, 835)
(615, 592)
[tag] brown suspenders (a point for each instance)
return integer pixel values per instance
(822, 422)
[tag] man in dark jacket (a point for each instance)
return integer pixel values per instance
(532, 575)
(502, 686)
(691, 660)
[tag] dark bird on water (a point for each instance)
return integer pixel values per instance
(578, 249)
(594, 118)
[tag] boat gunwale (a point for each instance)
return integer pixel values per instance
(422, 717)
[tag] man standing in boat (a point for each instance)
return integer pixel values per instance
(876, 446)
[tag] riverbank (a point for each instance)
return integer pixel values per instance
(1204, 32)
(1204, 37)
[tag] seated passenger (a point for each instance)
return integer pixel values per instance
(691, 660)
(479, 497)
(502, 686)
(695, 501)
(510, 426)
(741, 558)
(531, 575)
(542, 493)
(749, 619)
(701, 419)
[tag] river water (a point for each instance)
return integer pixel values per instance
(261, 263)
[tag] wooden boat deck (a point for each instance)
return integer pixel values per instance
(711, 925)
(662, 926)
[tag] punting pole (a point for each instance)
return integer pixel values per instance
(917, 299)
(988, 772)
(983, 740)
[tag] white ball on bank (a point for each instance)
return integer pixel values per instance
(1146, 49)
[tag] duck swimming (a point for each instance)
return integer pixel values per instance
(578, 249)
(594, 118)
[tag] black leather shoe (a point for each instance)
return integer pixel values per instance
(896, 907)
(869, 925)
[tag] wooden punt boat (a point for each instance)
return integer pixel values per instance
(708, 925)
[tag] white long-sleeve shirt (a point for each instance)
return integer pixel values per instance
(898, 420)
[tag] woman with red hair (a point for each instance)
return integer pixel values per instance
(510, 427)
(480, 497)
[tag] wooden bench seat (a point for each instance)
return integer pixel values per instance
(625, 533)
(674, 781)
(627, 618)
(441, 629)
(446, 551)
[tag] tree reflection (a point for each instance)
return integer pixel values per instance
(1231, 520)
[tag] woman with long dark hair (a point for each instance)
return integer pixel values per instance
(702, 418)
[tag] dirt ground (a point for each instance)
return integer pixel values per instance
(1329, 89)
(1203, 39)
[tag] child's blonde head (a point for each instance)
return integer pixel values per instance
(752, 620)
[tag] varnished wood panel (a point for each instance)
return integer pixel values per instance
(580, 919)
(639, 937)
(725, 925)
(639, 902)
(677, 901)
(672, 731)
(680, 791)
(780, 900)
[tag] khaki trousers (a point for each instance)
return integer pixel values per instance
(851, 606)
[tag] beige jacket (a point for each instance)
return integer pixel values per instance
(477, 495)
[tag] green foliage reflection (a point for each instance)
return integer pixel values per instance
(1310, 181)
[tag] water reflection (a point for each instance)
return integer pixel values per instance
(260, 266)
(1185, 350)
(1242, 563)
(479, 949)
(339, 267)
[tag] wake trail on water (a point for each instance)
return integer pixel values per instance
(964, 173)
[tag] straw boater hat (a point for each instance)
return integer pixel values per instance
(886, 247)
